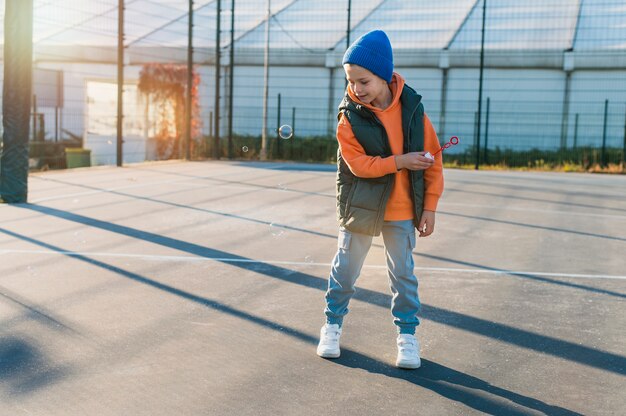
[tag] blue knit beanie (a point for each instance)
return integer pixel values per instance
(373, 52)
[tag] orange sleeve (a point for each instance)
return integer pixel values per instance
(361, 164)
(433, 176)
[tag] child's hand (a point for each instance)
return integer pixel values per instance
(427, 223)
(413, 161)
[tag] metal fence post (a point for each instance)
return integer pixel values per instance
(231, 74)
(476, 133)
(603, 154)
(278, 129)
(216, 138)
(576, 131)
(266, 68)
(624, 148)
(485, 158)
(120, 81)
(189, 82)
(480, 83)
(16, 95)
(293, 130)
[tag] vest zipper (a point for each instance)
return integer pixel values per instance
(380, 205)
(408, 130)
(411, 172)
(388, 184)
(377, 121)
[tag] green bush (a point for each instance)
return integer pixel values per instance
(307, 149)
(324, 149)
(584, 158)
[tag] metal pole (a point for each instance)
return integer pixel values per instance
(34, 117)
(480, 84)
(189, 82)
(603, 154)
(263, 154)
(347, 40)
(210, 129)
(576, 131)
(59, 104)
(216, 139)
(624, 148)
(16, 96)
(293, 131)
(486, 132)
(348, 28)
(476, 130)
(35, 144)
(120, 80)
(565, 116)
(444, 101)
(331, 121)
(231, 72)
(278, 129)
(56, 124)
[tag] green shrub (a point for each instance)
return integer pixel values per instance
(307, 149)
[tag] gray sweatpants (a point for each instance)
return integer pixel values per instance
(399, 240)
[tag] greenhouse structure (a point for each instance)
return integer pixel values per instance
(554, 71)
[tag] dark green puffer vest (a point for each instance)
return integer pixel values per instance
(361, 202)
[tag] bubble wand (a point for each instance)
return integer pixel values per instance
(453, 141)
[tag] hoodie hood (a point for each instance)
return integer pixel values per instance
(396, 85)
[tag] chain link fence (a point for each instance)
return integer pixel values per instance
(215, 79)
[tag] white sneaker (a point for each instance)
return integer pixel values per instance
(329, 341)
(408, 352)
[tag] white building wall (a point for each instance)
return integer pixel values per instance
(306, 89)
(525, 107)
(590, 89)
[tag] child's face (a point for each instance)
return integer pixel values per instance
(364, 84)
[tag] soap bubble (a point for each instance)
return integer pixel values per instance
(245, 148)
(285, 131)
(276, 230)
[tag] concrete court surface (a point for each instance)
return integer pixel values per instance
(197, 289)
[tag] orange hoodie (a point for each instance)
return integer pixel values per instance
(400, 205)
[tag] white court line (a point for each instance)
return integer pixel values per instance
(300, 263)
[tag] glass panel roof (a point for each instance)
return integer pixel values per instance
(527, 25)
(320, 25)
(309, 25)
(602, 25)
(417, 25)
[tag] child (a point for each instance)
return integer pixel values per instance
(385, 183)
